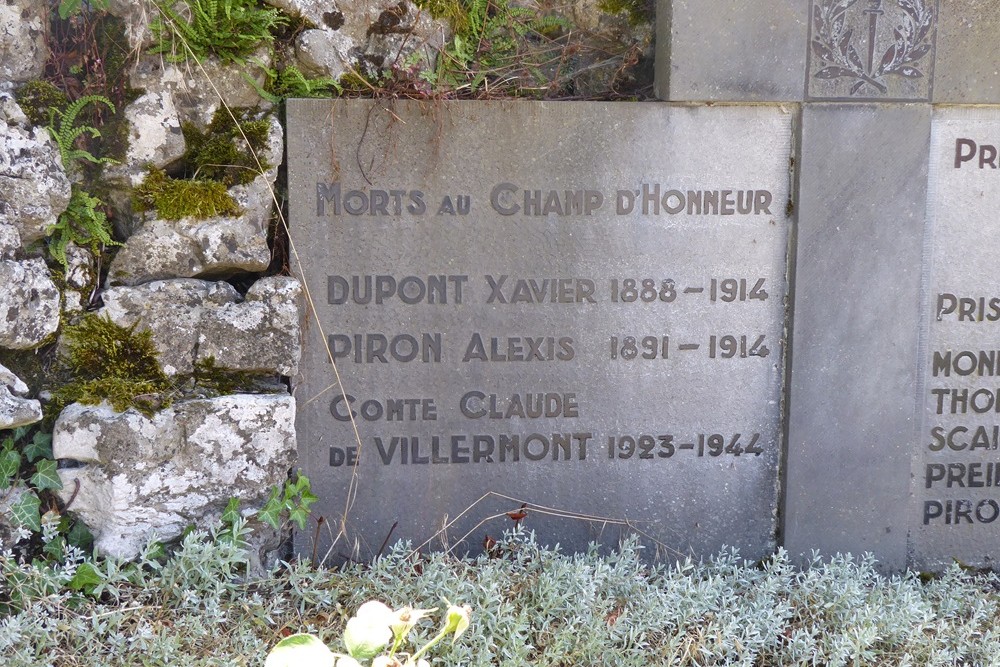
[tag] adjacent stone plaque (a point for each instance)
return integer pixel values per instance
(956, 468)
(577, 306)
(853, 387)
(967, 62)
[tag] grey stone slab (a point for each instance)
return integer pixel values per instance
(676, 365)
(731, 50)
(871, 49)
(967, 65)
(956, 461)
(852, 422)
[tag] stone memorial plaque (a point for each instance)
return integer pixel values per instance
(967, 62)
(956, 469)
(578, 306)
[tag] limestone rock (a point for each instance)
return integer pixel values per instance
(22, 39)
(180, 467)
(155, 137)
(15, 409)
(29, 304)
(195, 90)
(364, 35)
(80, 278)
(10, 241)
(34, 188)
(192, 320)
(259, 334)
(214, 247)
(137, 17)
(10, 112)
(172, 310)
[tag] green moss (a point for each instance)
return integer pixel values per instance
(638, 11)
(225, 151)
(36, 96)
(108, 362)
(453, 11)
(173, 199)
(219, 381)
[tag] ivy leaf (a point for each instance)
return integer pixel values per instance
(86, 579)
(55, 549)
(80, 536)
(10, 463)
(40, 447)
(270, 513)
(299, 515)
(46, 476)
(232, 511)
(25, 511)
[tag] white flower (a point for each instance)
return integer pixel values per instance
(347, 661)
(301, 650)
(406, 618)
(458, 620)
(368, 632)
(386, 661)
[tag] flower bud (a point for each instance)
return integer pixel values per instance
(458, 620)
(300, 650)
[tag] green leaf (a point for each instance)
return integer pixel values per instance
(270, 513)
(46, 476)
(10, 464)
(232, 511)
(299, 515)
(40, 447)
(80, 536)
(25, 511)
(55, 549)
(69, 7)
(86, 578)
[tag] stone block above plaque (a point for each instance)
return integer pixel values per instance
(967, 64)
(731, 50)
(579, 307)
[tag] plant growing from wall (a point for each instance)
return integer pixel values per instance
(109, 362)
(229, 29)
(83, 223)
(292, 500)
(176, 198)
(226, 150)
(492, 41)
(66, 132)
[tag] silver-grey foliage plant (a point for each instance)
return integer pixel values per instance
(534, 606)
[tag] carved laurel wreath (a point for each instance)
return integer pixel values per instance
(832, 44)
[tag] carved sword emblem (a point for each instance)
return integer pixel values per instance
(840, 36)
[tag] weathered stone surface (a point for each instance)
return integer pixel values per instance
(137, 17)
(22, 39)
(641, 366)
(735, 50)
(853, 383)
(366, 36)
(80, 278)
(192, 320)
(29, 304)
(158, 475)
(15, 409)
(259, 334)
(967, 62)
(34, 188)
(10, 241)
(172, 310)
(195, 90)
(10, 112)
(214, 247)
(155, 137)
